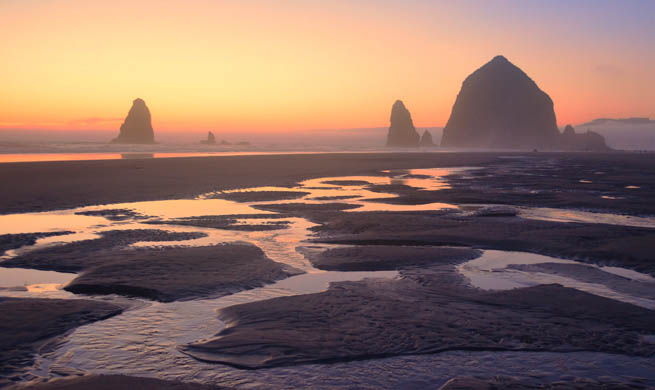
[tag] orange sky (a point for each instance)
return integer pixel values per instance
(307, 64)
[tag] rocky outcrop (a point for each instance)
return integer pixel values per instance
(401, 132)
(426, 139)
(499, 106)
(211, 139)
(589, 141)
(137, 128)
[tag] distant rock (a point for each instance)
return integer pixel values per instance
(426, 139)
(589, 141)
(499, 106)
(243, 143)
(224, 142)
(137, 128)
(211, 139)
(401, 132)
(626, 121)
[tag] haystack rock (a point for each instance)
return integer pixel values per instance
(426, 139)
(401, 132)
(499, 106)
(589, 141)
(137, 128)
(211, 139)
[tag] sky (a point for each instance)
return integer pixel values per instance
(288, 65)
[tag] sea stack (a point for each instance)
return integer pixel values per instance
(499, 106)
(426, 139)
(137, 128)
(211, 139)
(589, 141)
(401, 132)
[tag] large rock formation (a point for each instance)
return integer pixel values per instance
(137, 128)
(426, 139)
(499, 106)
(401, 132)
(570, 140)
(211, 139)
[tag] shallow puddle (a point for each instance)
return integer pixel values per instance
(144, 341)
(560, 215)
(491, 271)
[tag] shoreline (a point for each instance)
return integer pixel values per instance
(46, 186)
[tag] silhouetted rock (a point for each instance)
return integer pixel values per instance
(224, 142)
(401, 132)
(591, 141)
(211, 139)
(137, 128)
(568, 132)
(499, 106)
(426, 139)
(626, 121)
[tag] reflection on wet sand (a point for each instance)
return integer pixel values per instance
(496, 270)
(559, 215)
(111, 345)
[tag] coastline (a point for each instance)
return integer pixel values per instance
(42, 186)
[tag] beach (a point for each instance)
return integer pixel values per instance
(302, 266)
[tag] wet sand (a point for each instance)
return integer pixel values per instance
(68, 184)
(182, 273)
(82, 255)
(115, 382)
(27, 324)
(431, 308)
(382, 258)
(427, 311)
(611, 245)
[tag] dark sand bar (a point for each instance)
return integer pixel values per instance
(43, 186)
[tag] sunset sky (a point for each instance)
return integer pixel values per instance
(309, 64)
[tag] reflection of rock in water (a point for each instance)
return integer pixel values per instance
(137, 128)
(136, 156)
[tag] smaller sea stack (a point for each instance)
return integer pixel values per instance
(211, 139)
(426, 139)
(589, 141)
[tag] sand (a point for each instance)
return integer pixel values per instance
(612, 245)
(384, 258)
(115, 382)
(430, 308)
(427, 311)
(182, 273)
(14, 241)
(86, 254)
(55, 185)
(28, 323)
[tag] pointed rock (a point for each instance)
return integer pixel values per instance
(401, 132)
(211, 139)
(499, 106)
(426, 139)
(137, 128)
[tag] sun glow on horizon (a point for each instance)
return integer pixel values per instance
(295, 65)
